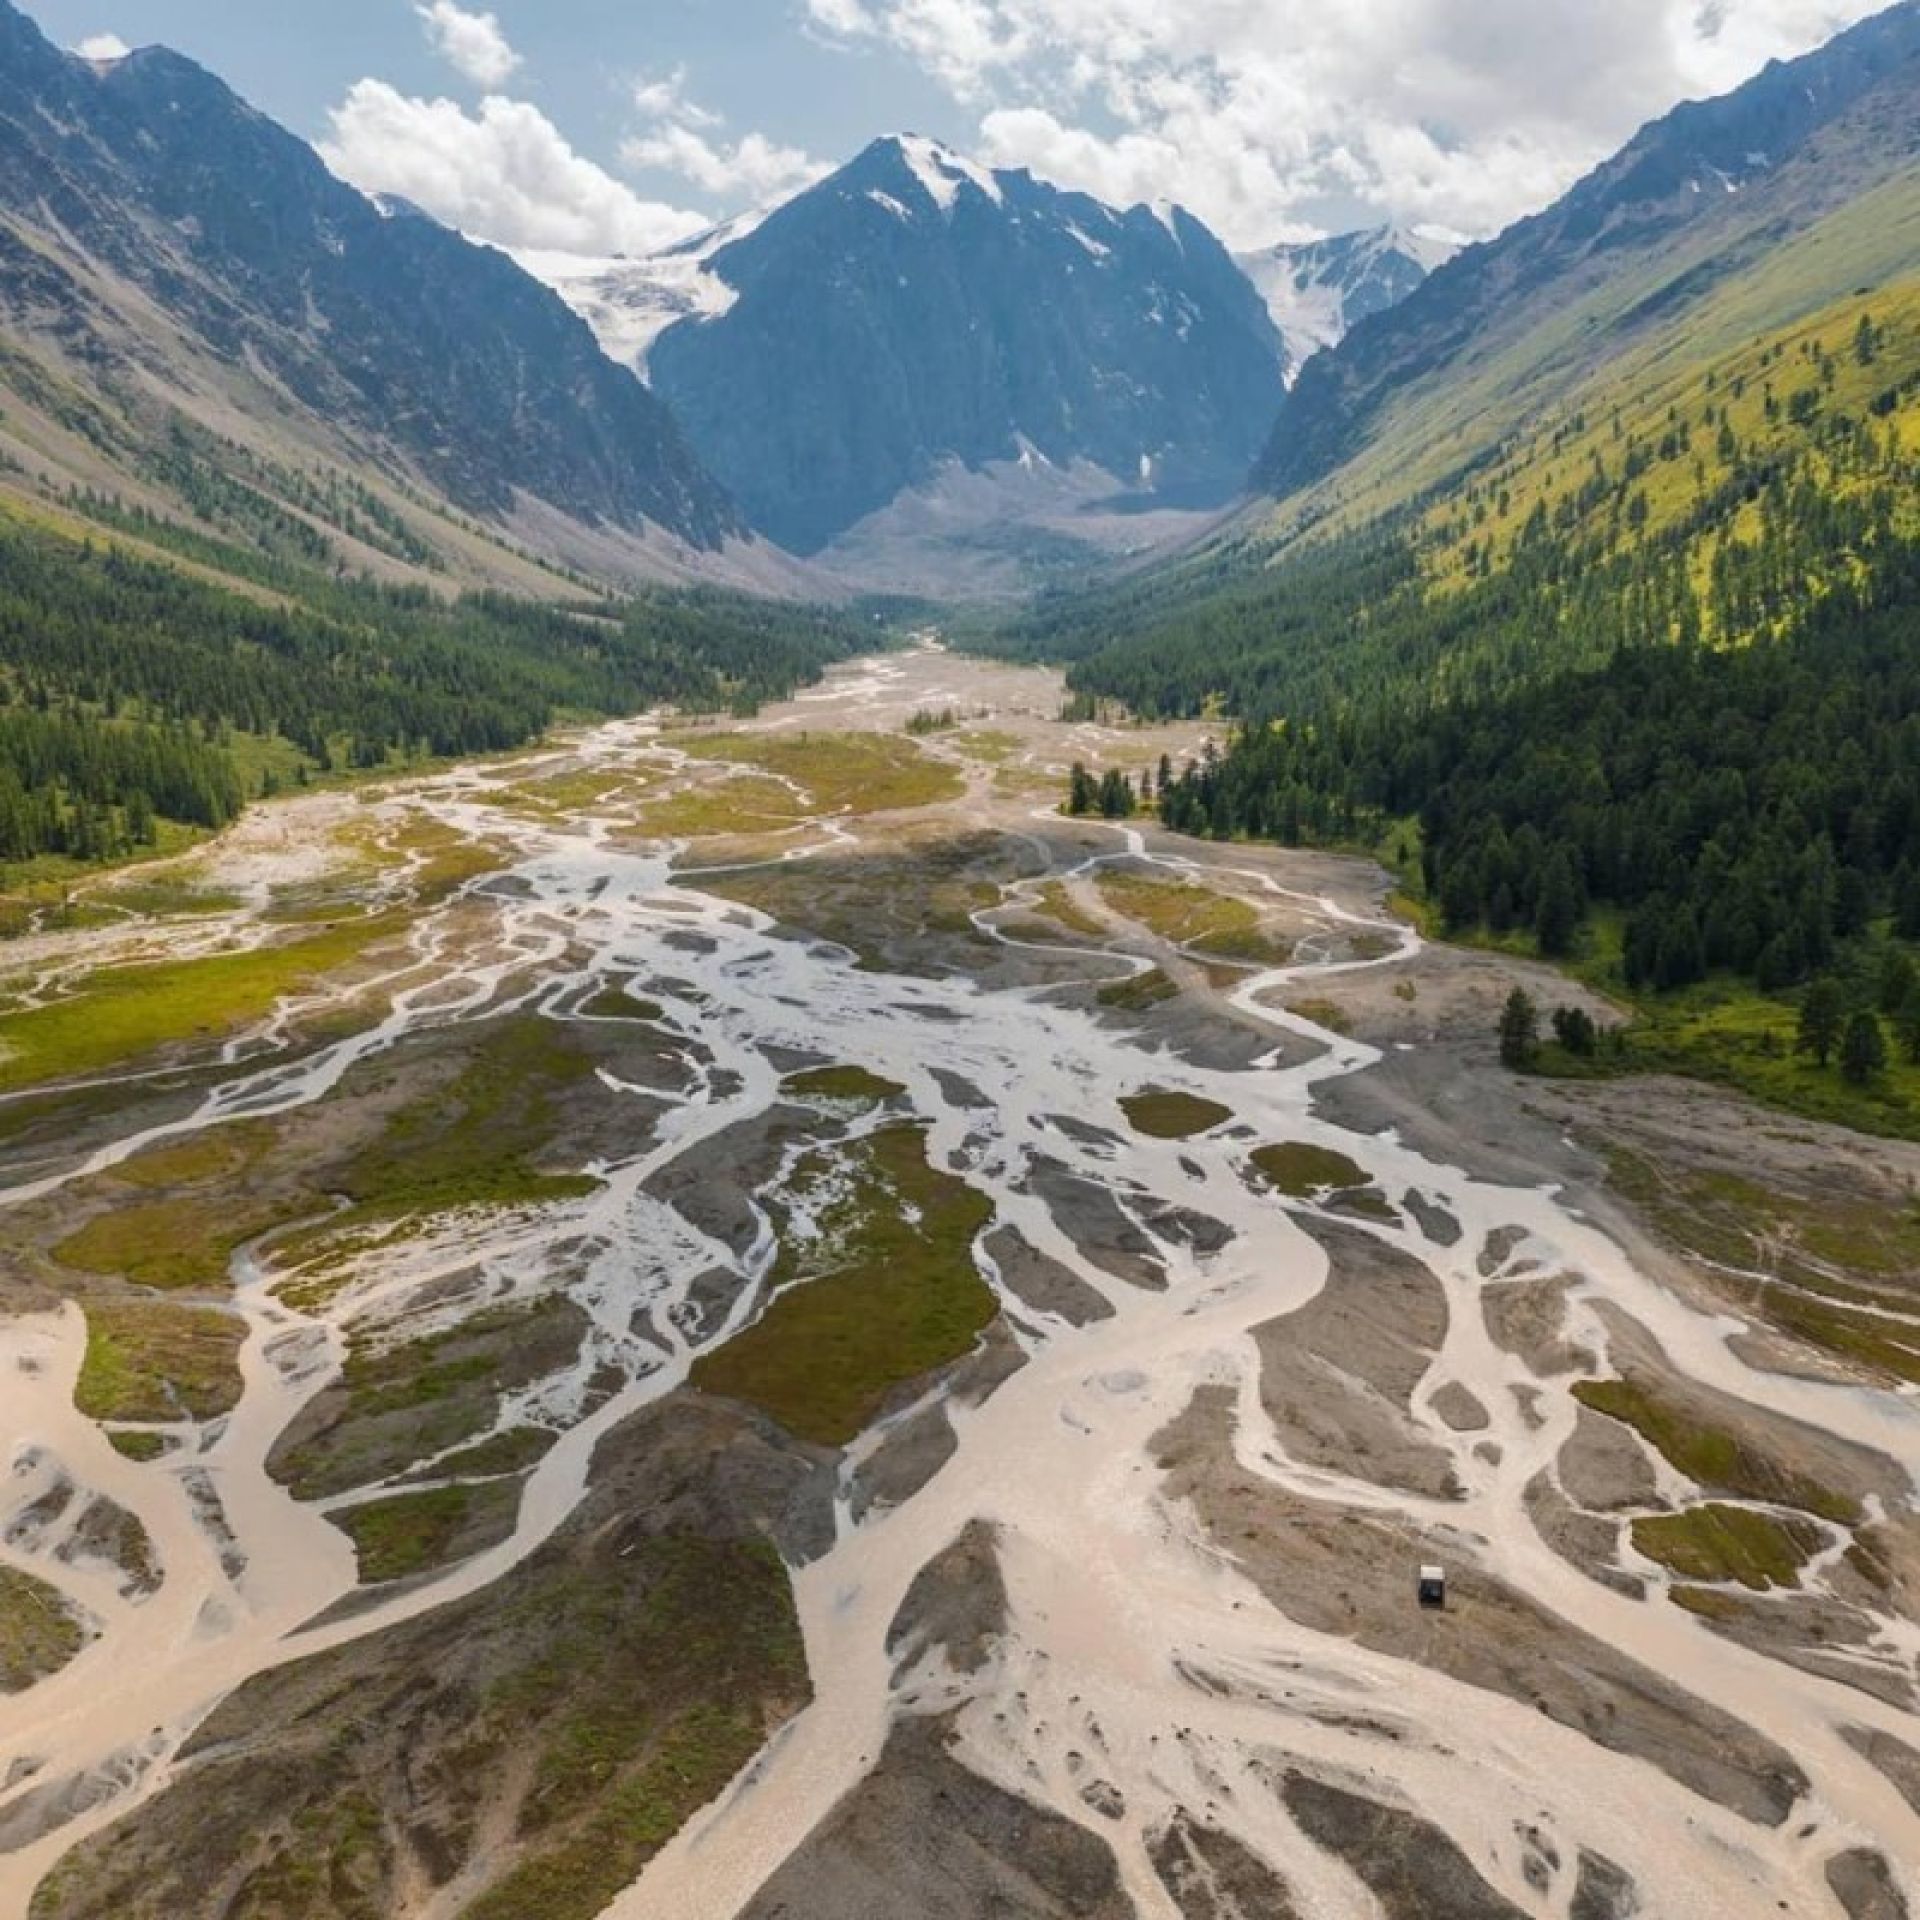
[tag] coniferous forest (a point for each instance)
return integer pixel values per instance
(1664, 663)
(123, 681)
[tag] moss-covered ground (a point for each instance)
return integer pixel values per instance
(1139, 994)
(416, 1532)
(842, 1083)
(842, 773)
(123, 1015)
(1712, 1457)
(1302, 1171)
(38, 1632)
(155, 1361)
(1717, 1542)
(1191, 914)
(1173, 1116)
(1835, 1267)
(888, 1292)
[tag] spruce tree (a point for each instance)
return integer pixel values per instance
(1906, 1027)
(1863, 1053)
(1519, 1031)
(1557, 918)
(1823, 1018)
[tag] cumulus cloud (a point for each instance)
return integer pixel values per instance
(474, 44)
(1258, 113)
(681, 136)
(103, 46)
(504, 173)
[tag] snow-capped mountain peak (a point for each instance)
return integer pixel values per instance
(941, 173)
(1318, 290)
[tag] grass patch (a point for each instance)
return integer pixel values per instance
(397, 1405)
(742, 804)
(38, 1631)
(165, 899)
(578, 790)
(152, 1361)
(501, 1453)
(992, 747)
(1141, 994)
(1724, 1543)
(1710, 1603)
(1190, 914)
(888, 1293)
(842, 1083)
(1057, 904)
(475, 1143)
(621, 1003)
(898, 904)
(415, 1532)
(1366, 1203)
(1710, 1456)
(838, 772)
(127, 1013)
(695, 1652)
(175, 1245)
(1173, 1116)
(1302, 1172)
(188, 1240)
(1323, 1014)
(140, 1447)
(1814, 1266)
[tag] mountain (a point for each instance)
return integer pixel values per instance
(1641, 370)
(915, 313)
(1599, 559)
(192, 307)
(1319, 290)
(630, 303)
(1644, 245)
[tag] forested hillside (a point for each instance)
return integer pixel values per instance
(124, 680)
(1663, 657)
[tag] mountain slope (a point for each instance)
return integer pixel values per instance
(1319, 291)
(916, 310)
(1639, 247)
(169, 252)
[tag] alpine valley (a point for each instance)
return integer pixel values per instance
(951, 1058)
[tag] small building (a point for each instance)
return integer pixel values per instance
(1433, 1586)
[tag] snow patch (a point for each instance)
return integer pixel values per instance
(943, 173)
(887, 200)
(630, 303)
(1316, 290)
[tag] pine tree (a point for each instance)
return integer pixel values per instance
(1906, 1026)
(1519, 1031)
(1863, 1053)
(1898, 978)
(1823, 1019)
(1573, 1027)
(1557, 918)
(1082, 794)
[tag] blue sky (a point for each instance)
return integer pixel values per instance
(618, 125)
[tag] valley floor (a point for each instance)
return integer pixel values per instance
(752, 1323)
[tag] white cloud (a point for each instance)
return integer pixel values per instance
(504, 173)
(682, 138)
(103, 46)
(474, 44)
(1258, 113)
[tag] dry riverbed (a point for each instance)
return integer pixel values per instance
(743, 1321)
